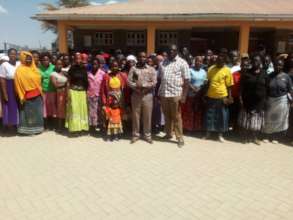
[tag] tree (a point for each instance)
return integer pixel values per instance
(73, 3)
(60, 4)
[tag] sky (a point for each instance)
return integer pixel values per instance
(18, 28)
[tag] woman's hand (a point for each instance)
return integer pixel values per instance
(5, 98)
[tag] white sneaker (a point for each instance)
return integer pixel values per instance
(221, 139)
(275, 142)
(266, 141)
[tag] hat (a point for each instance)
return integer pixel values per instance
(101, 59)
(131, 58)
(105, 55)
(4, 57)
(115, 83)
(84, 57)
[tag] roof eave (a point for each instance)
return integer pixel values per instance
(166, 17)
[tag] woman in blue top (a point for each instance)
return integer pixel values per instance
(192, 110)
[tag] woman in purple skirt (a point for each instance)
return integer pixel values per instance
(9, 100)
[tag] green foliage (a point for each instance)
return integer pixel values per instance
(46, 26)
(73, 3)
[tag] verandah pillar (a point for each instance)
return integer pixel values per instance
(244, 38)
(151, 39)
(62, 37)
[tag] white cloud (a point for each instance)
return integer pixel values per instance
(111, 2)
(2, 10)
(106, 2)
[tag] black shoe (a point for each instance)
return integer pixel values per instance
(167, 137)
(149, 140)
(134, 140)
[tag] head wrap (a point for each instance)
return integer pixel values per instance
(84, 57)
(131, 58)
(4, 57)
(27, 78)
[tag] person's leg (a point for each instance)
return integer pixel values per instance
(136, 103)
(93, 113)
(177, 119)
(147, 106)
(208, 119)
(256, 139)
(222, 121)
(167, 116)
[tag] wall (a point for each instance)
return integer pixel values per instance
(119, 42)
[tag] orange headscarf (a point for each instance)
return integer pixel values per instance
(27, 78)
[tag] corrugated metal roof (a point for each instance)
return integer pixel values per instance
(178, 9)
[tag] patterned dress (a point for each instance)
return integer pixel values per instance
(93, 93)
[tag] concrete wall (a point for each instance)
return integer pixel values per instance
(194, 39)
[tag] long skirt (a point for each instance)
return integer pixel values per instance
(290, 130)
(0, 107)
(93, 110)
(50, 104)
(61, 103)
(192, 114)
(251, 120)
(31, 117)
(10, 108)
(276, 115)
(77, 111)
(217, 116)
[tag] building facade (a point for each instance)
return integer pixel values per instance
(153, 25)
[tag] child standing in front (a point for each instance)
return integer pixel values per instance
(113, 111)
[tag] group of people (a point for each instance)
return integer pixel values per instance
(214, 93)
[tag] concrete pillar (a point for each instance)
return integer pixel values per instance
(62, 37)
(244, 38)
(151, 39)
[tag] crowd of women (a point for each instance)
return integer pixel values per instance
(222, 93)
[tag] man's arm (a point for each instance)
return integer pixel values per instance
(153, 79)
(130, 82)
(186, 80)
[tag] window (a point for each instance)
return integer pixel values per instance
(104, 38)
(87, 40)
(167, 37)
(136, 38)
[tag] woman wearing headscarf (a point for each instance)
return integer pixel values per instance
(28, 87)
(9, 99)
(253, 94)
(280, 90)
(77, 109)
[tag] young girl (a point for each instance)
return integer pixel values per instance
(95, 78)
(59, 80)
(113, 111)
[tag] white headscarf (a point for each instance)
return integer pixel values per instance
(4, 57)
(131, 58)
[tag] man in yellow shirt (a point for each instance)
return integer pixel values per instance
(218, 97)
